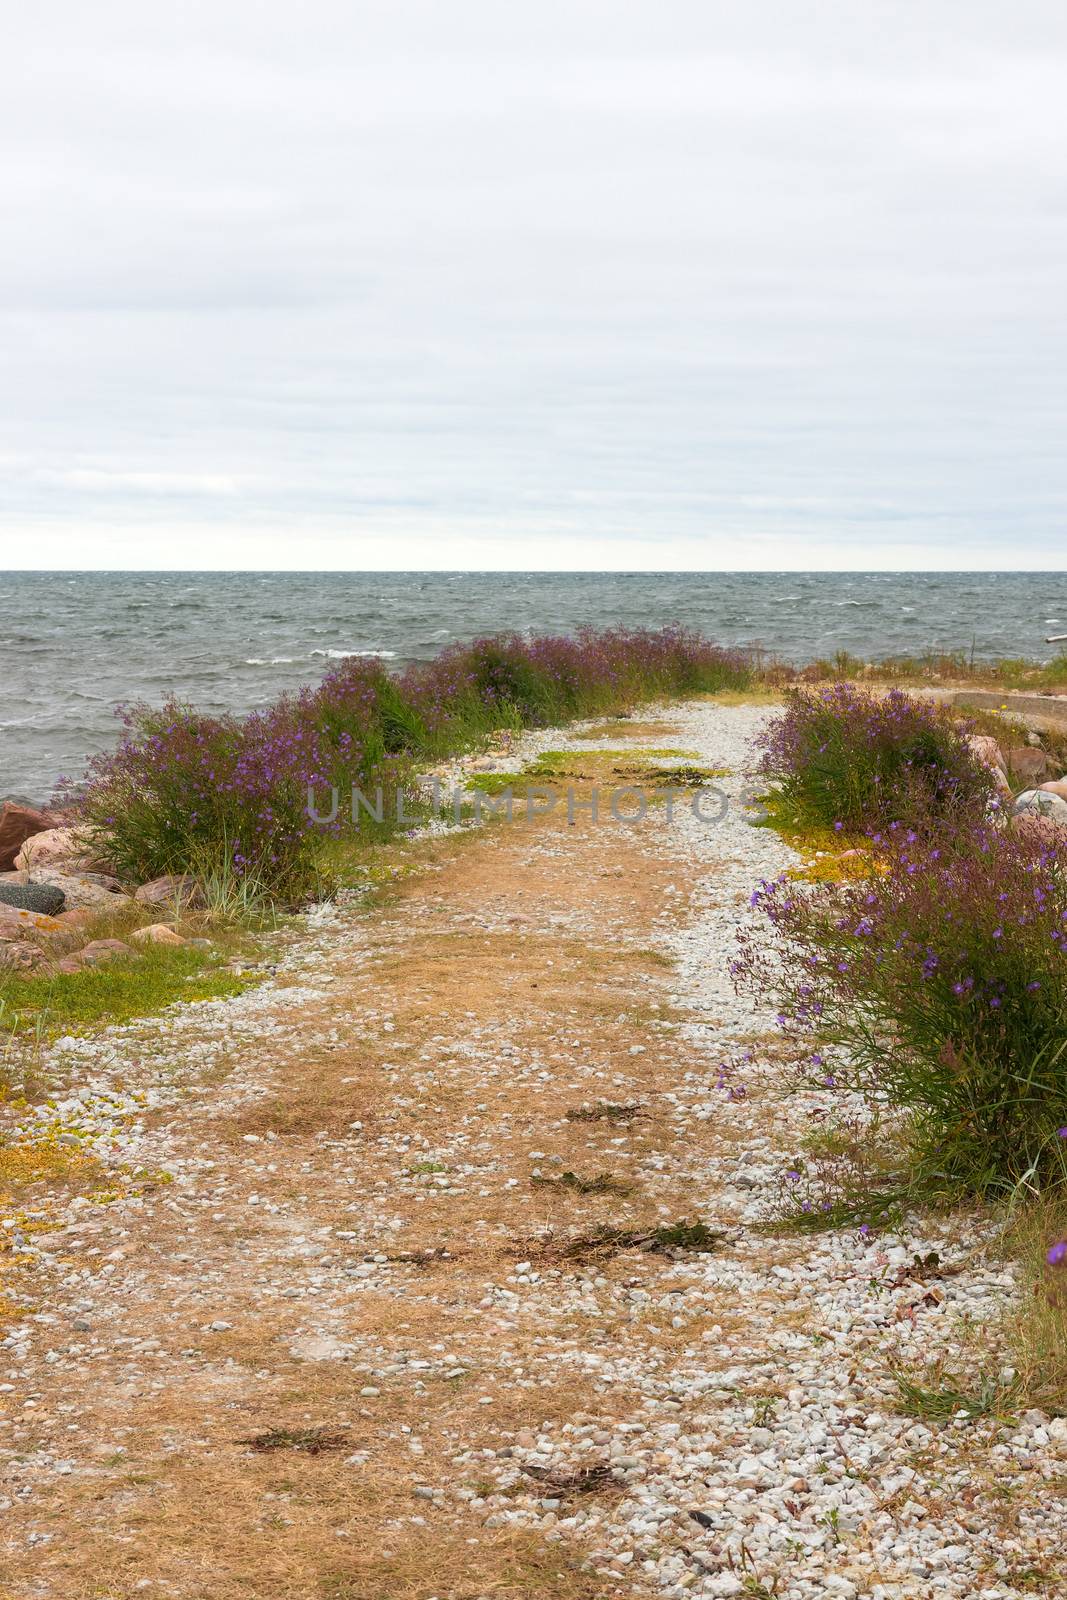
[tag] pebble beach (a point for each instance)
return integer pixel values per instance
(720, 1422)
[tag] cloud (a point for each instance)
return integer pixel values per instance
(96, 480)
(682, 284)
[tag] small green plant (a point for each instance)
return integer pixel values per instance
(949, 1398)
(831, 1521)
(764, 1410)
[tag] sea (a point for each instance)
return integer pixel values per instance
(74, 645)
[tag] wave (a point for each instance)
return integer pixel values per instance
(344, 655)
(271, 661)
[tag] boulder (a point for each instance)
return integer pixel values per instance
(988, 751)
(80, 893)
(18, 955)
(14, 924)
(156, 933)
(1000, 782)
(69, 964)
(33, 897)
(174, 888)
(1041, 817)
(17, 824)
(62, 849)
(1028, 766)
(1039, 830)
(74, 921)
(1056, 786)
(103, 951)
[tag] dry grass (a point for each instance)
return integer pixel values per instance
(488, 933)
(1036, 1329)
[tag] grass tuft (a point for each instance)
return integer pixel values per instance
(951, 1399)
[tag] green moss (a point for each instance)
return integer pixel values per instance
(141, 986)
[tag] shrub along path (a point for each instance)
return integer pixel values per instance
(373, 1284)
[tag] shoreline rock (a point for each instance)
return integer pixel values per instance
(18, 823)
(46, 898)
(59, 849)
(80, 894)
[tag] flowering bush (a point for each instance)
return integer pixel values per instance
(942, 983)
(185, 792)
(850, 760)
(188, 792)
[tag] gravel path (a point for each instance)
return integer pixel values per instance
(734, 1409)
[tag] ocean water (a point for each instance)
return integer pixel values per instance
(73, 645)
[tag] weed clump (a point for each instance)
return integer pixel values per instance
(602, 1183)
(608, 1241)
(606, 1111)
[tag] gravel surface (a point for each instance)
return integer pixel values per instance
(760, 1452)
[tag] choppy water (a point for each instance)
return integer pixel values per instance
(74, 644)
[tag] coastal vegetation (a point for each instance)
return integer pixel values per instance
(227, 795)
(485, 1095)
(847, 759)
(927, 981)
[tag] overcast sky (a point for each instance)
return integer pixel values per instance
(518, 283)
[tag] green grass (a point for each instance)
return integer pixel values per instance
(141, 986)
(1008, 672)
(952, 1398)
(619, 768)
(875, 1211)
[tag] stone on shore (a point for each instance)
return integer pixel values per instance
(19, 955)
(1041, 816)
(75, 920)
(43, 897)
(1029, 766)
(101, 952)
(81, 894)
(14, 923)
(17, 824)
(1038, 829)
(988, 751)
(172, 888)
(68, 965)
(58, 849)
(156, 933)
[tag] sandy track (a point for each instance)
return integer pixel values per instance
(338, 1202)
